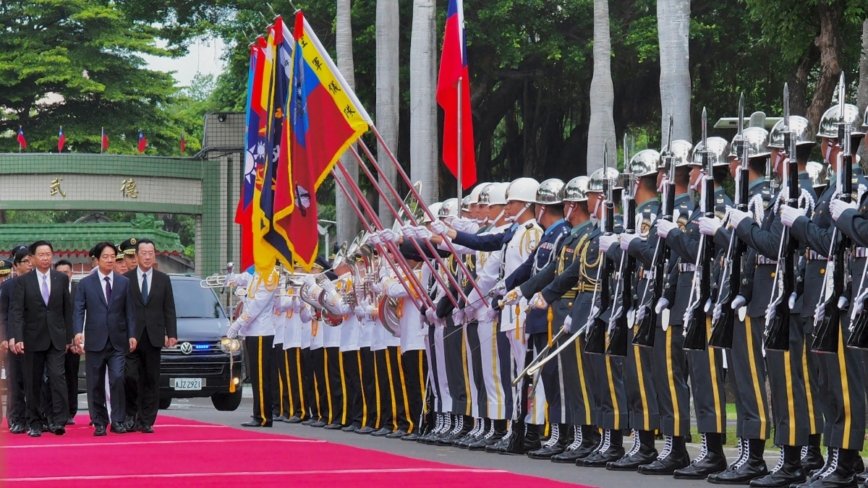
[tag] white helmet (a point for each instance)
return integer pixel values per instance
(497, 193)
(434, 208)
(475, 192)
(449, 208)
(522, 190)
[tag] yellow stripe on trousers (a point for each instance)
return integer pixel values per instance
(719, 411)
(670, 373)
(468, 410)
(646, 415)
(300, 382)
(845, 391)
(757, 391)
(613, 394)
(293, 413)
(377, 390)
(585, 397)
(404, 392)
(261, 386)
(496, 371)
(791, 403)
(343, 389)
(392, 391)
(328, 384)
(362, 385)
(808, 392)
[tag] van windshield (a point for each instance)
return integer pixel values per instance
(193, 301)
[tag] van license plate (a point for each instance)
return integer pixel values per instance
(187, 383)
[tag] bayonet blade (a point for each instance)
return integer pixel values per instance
(786, 106)
(704, 129)
(841, 98)
(741, 114)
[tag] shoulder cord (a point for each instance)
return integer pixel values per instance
(585, 266)
(536, 267)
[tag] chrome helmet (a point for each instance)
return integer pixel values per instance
(595, 184)
(830, 120)
(576, 190)
(643, 163)
(801, 129)
(757, 143)
(522, 190)
(550, 192)
(718, 151)
(680, 153)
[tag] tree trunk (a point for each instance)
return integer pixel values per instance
(423, 104)
(673, 29)
(829, 45)
(602, 124)
(862, 94)
(348, 222)
(387, 95)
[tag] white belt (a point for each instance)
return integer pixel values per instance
(861, 252)
(760, 259)
(686, 267)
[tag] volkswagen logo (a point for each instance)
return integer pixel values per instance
(186, 347)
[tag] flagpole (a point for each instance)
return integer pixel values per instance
(460, 148)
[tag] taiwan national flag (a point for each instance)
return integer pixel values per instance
(104, 141)
(324, 118)
(22, 142)
(143, 142)
(183, 142)
(453, 67)
(61, 140)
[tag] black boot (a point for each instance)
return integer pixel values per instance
(742, 446)
(516, 443)
(494, 434)
(570, 452)
(750, 467)
(503, 444)
(465, 426)
(840, 472)
(642, 452)
(530, 440)
(559, 440)
(711, 459)
(674, 456)
(611, 449)
(811, 456)
(788, 470)
(442, 424)
(450, 436)
(480, 426)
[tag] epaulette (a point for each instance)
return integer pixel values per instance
(528, 225)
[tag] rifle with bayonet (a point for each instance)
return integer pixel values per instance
(596, 328)
(618, 323)
(695, 331)
(828, 315)
(723, 325)
(777, 332)
(644, 335)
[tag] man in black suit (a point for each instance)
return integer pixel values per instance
(105, 327)
(41, 315)
(16, 404)
(71, 361)
(157, 328)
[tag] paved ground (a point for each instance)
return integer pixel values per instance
(202, 410)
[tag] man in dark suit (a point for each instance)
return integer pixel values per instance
(105, 327)
(157, 328)
(41, 316)
(16, 405)
(71, 361)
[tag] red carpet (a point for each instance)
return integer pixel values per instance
(188, 453)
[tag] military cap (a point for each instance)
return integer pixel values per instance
(5, 267)
(128, 247)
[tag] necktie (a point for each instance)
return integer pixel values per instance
(108, 290)
(145, 288)
(45, 289)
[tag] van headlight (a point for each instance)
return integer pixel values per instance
(230, 345)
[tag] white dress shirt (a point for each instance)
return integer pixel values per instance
(140, 274)
(102, 277)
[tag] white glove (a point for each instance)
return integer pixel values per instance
(458, 316)
(640, 314)
(374, 239)
(422, 233)
(858, 307)
(232, 333)
(607, 241)
(662, 304)
(837, 207)
(792, 301)
(821, 314)
(538, 302)
(387, 235)
(308, 280)
(359, 311)
(408, 231)
(709, 226)
(568, 324)
(739, 302)
(305, 315)
(499, 289)
(328, 286)
(842, 303)
(513, 297)
(790, 214)
(462, 225)
(736, 216)
(664, 227)
(377, 287)
(715, 314)
(439, 227)
(626, 239)
(490, 315)
(230, 279)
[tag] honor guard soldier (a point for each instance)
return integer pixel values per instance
(706, 370)
(540, 320)
(841, 371)
(127, 250)
(280, 395)
(256, 325)
(745, 359)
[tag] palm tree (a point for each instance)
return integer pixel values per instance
(348, 222)
(423, 105)
(673, 28)
(387, 93)
(602, 124)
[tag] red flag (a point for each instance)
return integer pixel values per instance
(453, 67)
(323, 118)
(22, 142)
(61, 140)
(143, 142)
(104, 142)
(183, 142)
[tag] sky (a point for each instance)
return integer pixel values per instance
(203, 56)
